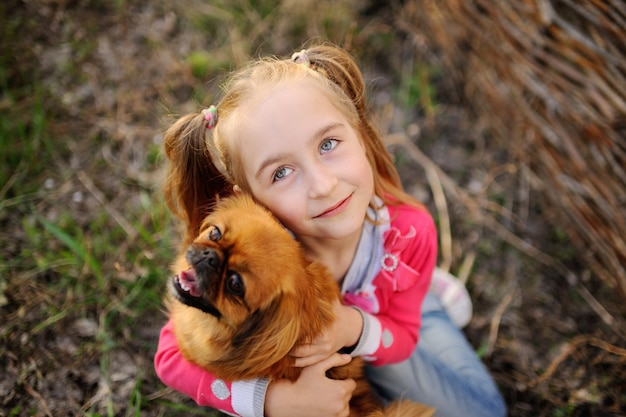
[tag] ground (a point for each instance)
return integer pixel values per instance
(88, 88)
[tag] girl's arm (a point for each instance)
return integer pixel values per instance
(248, 398)
(241, 398)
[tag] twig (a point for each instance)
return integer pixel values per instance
(606, 346)
(39, 399)
(466, 267)
(15, 176)
(445, 233)
(597, 307)
(571, 347)
(159, 394)
(100, 197)
(495, 321)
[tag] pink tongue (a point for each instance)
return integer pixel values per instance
(188, 279)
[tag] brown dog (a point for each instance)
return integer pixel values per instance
(245, 295)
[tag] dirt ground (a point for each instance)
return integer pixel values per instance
(112, 74)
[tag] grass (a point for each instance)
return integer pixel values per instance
(416, 88)
(86, 250)
(82, 266)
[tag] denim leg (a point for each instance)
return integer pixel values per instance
(443, 371)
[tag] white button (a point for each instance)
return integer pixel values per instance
(387, 338)
(220, 390)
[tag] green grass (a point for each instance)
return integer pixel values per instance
(79, 262)
(85, 264)
(417, 88)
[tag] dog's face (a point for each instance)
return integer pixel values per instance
(244, 294)
(230, 270)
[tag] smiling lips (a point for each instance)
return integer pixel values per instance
(335, 209)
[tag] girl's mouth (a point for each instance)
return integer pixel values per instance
(336, 209)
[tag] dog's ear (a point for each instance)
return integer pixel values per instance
(262, 344)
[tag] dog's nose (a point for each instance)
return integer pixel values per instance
(211, 257)
(198, 256)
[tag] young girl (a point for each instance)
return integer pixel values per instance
(295, 135)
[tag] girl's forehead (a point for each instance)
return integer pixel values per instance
(284, 120)
(289, 90)
(283, 109)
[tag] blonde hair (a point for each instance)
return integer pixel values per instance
(195, 182)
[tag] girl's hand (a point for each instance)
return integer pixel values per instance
(344, 332)
(312, 394)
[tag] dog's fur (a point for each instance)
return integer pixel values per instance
(245, 295)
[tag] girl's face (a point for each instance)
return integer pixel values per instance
(304, 161)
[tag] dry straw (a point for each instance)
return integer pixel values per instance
(549, 77)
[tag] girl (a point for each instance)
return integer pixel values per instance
(295, 135)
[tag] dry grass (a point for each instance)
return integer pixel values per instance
(548, 78)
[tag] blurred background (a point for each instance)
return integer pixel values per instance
(508, 119)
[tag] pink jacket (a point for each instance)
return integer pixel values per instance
(389, 300)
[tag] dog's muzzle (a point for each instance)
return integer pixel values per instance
(193, 287)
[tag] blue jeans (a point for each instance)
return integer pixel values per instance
(443, 371)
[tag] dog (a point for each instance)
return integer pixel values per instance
(244, 294)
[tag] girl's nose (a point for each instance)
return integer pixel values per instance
(322, 181)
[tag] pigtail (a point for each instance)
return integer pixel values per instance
(194, 183)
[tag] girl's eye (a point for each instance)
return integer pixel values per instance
(328, 145)
(281, 173)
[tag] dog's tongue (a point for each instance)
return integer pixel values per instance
(189, 283)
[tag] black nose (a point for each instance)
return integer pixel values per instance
(211, 257)
(200, 257)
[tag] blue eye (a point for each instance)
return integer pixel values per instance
(328, 145)
(281, 173)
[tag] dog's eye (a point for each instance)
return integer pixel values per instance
(234, 284)
(214, 234)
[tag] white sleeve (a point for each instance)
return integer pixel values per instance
(248, 397)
